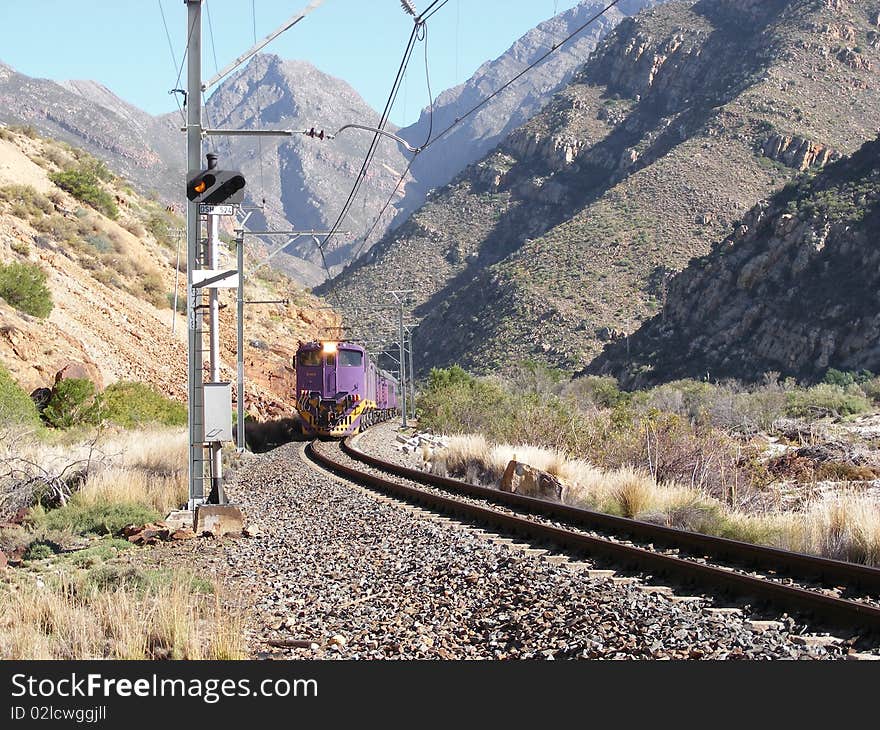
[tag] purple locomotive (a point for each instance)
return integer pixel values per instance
(340, 390)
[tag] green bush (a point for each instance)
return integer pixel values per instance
(23, 285)
(16, 406)
(847, 378)
(72, 403)
(100, 518)
(40, 550)
(457, 402)
(84, 184)
(824, 399)
(596, 390)
(135, 404)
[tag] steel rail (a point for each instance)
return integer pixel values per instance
(777, 560)
(841, 612)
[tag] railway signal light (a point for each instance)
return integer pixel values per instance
(215, 187)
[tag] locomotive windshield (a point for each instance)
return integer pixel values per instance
(310, 358)
(351, 359)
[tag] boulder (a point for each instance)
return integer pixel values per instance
(523, 479)
(84, 371)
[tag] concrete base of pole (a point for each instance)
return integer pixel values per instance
(218, 520)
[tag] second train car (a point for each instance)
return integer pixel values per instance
(340, 390)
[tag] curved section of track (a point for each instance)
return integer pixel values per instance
(517, 516)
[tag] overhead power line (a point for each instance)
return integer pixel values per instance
(517, 77)
(431, 140)
(373, 145)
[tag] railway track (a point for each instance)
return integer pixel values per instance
(831, 592)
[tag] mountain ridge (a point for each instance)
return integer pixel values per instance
(792, 290)
(566, 234)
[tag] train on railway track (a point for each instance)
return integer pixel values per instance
(340, 389)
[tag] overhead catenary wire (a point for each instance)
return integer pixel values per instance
(369, 232)
(373, 146)
(523, 72)
(173, 55)
(431, 140)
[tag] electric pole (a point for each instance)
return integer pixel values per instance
(401, 296)
(195, 378)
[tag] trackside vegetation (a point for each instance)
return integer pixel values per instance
(772, 463)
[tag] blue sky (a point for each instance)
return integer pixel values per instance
(122, 43)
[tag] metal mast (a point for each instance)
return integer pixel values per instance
(401, 296)
(195, 380)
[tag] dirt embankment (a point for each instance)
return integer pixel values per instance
(112, 284)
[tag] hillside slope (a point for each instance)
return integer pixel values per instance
(793, 291)
(112, 280)
(566, 234)
(148, 151)
(479, 133)
(304, 182)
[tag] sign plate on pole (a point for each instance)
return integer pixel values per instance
(215, 279)
(216, 209)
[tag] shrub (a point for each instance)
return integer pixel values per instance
(151, 288)
(23, 285)
(28, 130)
(40, 550)
(72, 403)
(16, 407)
(99, 243)
(135, 404)
(457, 402)
(871, 388)
(26, 202)
(826, 399)
(59, 227)
(847, 378)
(83, 183)
(93, 517)
(601, 392)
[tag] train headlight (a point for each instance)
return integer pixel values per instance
(329, 348)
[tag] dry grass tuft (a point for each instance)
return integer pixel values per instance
(845, 525)
(145, 467)
(64, 619)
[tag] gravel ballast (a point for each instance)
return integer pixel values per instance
(339, 572)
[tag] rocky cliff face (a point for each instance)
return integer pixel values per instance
(567, 233)
(472, 139)
(793, 290)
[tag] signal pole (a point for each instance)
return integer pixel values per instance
(400, 296)
(195, 377)
(412, 372)
(213, 260)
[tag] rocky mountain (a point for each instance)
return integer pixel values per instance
(304, 181)
(112, 280)
(298, 180)
(479, 133)
(565, 236)
(147, 150)
(793, 290)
